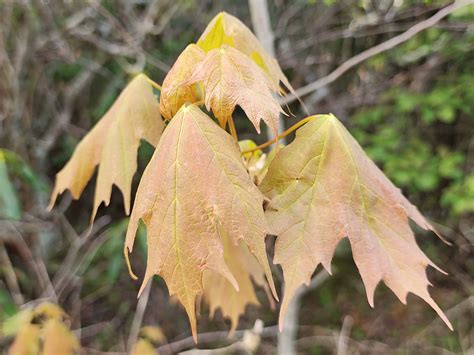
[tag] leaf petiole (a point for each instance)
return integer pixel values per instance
(282, 135)
(154, 84)
(232, 129)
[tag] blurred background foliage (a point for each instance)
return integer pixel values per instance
(63, 63)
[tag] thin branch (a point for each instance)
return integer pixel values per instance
(10, 276)
(138, 318)
(344, 335)
(210, 337)
(280, 136)
(371, 52)
(287, 338)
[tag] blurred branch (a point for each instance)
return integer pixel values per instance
(287, 337)
(138, 317)
(344, 335)
(210, 337)
(64, 117)
(380, 48)
(10, 276)
(247, 345)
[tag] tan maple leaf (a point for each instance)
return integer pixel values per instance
(220, 294)
(173, 94)
(112, 145)
(194, 185)
(230, 78)
(323, 187)
(229, 30)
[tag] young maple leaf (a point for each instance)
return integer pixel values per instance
(323, 187)
(194, 186)
(112, 144)
(230, 78)
(219, 293)
(225, 29)
(173, 94)
(58, 339)
(27, 340)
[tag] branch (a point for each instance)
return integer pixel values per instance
(287, 338)
(138, 318)
(371, 52)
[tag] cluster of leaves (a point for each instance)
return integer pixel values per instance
(202, 198)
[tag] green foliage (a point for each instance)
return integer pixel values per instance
(12, 166)
(421, 137)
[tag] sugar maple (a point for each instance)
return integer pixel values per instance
(206, 224)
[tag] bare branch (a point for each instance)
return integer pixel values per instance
(371, 52)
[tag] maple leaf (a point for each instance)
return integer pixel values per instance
(229, 30)
(230, 78)
(194, 186)
(173, 94)
(112, 144)
(219, 293)
(323, 187)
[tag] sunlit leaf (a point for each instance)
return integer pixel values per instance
(194, 186)
(112, 144)
(173, 94)
(323, 187)
(230, 78)
(225, 29)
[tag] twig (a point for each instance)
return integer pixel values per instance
(138, 318)
(344, 335)
(10, 276)
(286, 339)
(210, 337)
(380, 48)
(248, 345)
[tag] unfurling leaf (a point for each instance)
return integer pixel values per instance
(255, 161)
(225, 29)
(219, 293)
(112, 144)
(323, 187)
(230, 78)
(58, 339)
(194, 188)
(173, 94)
